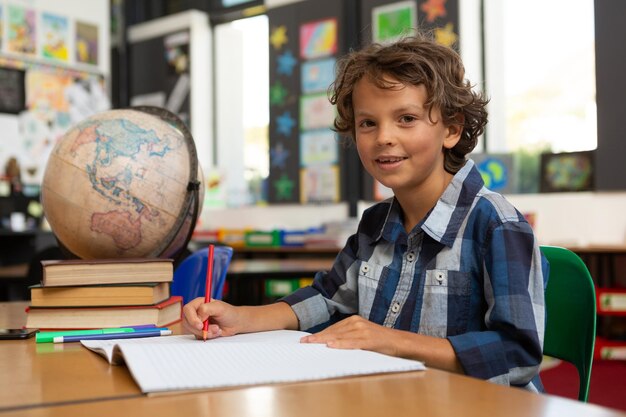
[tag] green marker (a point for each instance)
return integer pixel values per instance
(48, 337)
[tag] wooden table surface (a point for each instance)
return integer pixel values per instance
(69, 380)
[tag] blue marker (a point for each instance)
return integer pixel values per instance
(108, 336)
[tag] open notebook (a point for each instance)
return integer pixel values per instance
(173, 363)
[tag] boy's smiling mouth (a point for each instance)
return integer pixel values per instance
(390, 160)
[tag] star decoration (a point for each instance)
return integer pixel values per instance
(278, 37)
(434, 9)
(286, 62)
(279, 156)
(284, 187)
(285, 123)
(446, 35)
(278, 94)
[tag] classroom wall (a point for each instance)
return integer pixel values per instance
(560, 218)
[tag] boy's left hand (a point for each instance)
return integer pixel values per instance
(355, 332)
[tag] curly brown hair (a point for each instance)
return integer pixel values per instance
(414, 60)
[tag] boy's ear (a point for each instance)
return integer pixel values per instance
(454, 132)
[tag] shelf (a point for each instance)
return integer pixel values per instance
(611, 301)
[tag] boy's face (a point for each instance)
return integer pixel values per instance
(397, 142)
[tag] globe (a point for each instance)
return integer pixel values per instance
(123, 183)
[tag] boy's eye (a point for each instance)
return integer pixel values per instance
(407, 118)
(366, 123)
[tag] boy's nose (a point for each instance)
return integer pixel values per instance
(386, 136)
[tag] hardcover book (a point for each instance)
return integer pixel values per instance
(100, 295)
(106, 271)
(161, 314)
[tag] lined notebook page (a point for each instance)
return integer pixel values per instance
(159, 367)
(105, 348)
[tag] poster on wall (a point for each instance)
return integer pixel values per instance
(317, 75)
(316, 112)
(86, 43)
(55, 37)
(497, 171)
(21, 30)
(318, 39)
(572, 171)
(319, 184)
(392, 21)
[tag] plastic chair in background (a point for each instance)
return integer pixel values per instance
(190, 276)
(570, 313)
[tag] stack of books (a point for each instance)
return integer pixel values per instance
(86, 294)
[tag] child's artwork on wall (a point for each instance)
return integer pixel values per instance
(55, 37)
(318, 39)
(319, 184)
(317, 75)
(86, 43)
(22, 30)
(316, 112)
(497, 171)
(318, 147)
(392, 21)
(567, 172)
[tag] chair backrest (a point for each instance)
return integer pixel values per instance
(570, 313)
(190, 275)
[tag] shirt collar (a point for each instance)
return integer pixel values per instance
(442, 223)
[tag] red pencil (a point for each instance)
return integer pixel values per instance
(207, 289)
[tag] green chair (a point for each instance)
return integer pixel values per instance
(570, 313)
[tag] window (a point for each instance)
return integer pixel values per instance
(242, 82)
(540, 72)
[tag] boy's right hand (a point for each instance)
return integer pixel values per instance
(223, 318)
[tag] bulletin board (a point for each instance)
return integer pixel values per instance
(307, 160)
(48, 100)
(50, 79)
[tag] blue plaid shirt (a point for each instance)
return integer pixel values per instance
(470, 272)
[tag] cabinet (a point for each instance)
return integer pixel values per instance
(607, 265)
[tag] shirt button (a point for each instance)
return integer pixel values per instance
(364, 269)
(410, 256)
(440, 277)
(395, 307)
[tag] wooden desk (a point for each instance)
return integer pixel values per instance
(68, 380)
(246, 276)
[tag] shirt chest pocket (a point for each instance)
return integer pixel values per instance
(446, 301)
(369, 277)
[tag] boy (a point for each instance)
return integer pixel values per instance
(446, 271)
